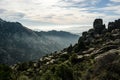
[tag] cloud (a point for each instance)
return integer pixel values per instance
(11, 15)
(115, 0)
(64, 12)
(46, 8)
(2, 11)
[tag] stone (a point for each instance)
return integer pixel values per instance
(98, 25)
(111, 26)
(84, 34)
(80, 56)
(91, 32)
(106, 48)
(114, 25)
(110, 54)
(88, 51)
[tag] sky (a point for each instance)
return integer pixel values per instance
(69, 15)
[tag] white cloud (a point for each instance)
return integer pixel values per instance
(115, 0)
(54, 11)
(39, 9)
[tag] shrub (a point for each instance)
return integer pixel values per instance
(23, 77)
(5, 72)
(73, 59)
(64, 57)
(64, 72)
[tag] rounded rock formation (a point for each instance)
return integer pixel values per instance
(98, 25)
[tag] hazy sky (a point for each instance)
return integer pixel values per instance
(59, 14)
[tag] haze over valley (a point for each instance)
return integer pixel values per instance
(18, 43)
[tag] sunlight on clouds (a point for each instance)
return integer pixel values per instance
(45, 8)
(63, 12)
(69, 28)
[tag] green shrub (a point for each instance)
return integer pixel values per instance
(23, 66)
(48, 75)
(64, 72)
(73, 59)
(23, 77)
(5, 72)
(64, 57)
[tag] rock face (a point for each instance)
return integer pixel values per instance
(114, 25)
(98, 25)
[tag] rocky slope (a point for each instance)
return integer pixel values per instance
(96, 56)
(19, 44)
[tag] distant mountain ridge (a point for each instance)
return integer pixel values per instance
(57, 33)
(58, 36)
(18, 43)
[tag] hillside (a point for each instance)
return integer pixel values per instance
(19, 44)
(96, 56)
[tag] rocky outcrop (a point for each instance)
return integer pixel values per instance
(114, 25)
(99, 34)
(98, 25)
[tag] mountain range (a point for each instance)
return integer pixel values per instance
(19, 44)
